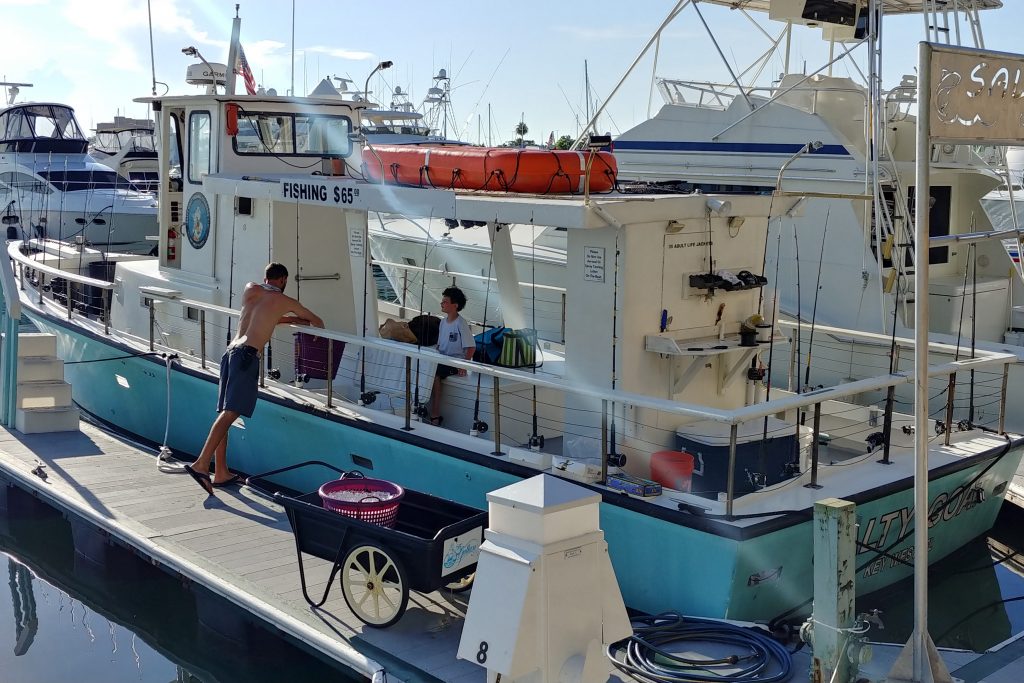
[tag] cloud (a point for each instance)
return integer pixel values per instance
(341, 53)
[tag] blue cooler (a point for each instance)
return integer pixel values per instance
(709, 443)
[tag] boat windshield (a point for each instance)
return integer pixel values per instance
(51, 121)
(72, 181)
(138, 140)
(281, 133)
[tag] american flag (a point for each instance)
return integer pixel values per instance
(243, 70)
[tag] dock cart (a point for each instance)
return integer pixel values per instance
(434, 543)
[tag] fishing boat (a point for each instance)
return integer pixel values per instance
(657, 404)
(128, 146)
(400, 122)
(51, 188)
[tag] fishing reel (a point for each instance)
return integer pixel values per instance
(420, 411)
(275, 374)
(300, 378)
(940, 427)
(479, 427)
(616, 459)
(758, 480)
(874, 440)
(368, 397)
(536, 442)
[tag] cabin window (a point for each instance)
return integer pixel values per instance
(198, 146)
(24, 182)
(284, 134)
(71, 181)
(191, 313)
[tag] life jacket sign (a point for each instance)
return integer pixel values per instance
(197, 220)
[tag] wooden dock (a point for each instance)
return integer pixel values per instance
(239, 546)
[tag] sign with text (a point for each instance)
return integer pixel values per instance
(976, 95)
(342, 193)
(356, 248)
(593, 264)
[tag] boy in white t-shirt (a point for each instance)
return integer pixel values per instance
(453, 339)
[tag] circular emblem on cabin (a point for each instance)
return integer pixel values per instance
(197, 220)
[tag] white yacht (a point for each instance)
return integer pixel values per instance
(128, 146)
(51, 187)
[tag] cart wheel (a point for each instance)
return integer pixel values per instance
(462, 585)
(374, 585)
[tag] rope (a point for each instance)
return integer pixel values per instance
(165, 455)
(644, 655)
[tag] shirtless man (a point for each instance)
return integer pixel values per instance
(263, 308)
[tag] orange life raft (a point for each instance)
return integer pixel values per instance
(499, 169)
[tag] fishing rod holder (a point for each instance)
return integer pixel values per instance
(616, 459)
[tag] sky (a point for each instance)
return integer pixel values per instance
(523, 61)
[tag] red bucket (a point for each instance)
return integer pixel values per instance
(370, 500)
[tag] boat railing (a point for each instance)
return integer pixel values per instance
(38, 272)
(801, 403)
(407, 269)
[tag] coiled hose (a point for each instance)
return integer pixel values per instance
(644, 655)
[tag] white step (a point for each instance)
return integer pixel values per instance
(36, 344)
(40, 420)
(44, 394)
(40, 368)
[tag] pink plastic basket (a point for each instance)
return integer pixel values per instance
(371, 500)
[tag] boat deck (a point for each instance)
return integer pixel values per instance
(239, 546)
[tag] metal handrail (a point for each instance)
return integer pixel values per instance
(14, 251)
(984, 359)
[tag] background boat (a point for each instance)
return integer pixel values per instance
(50, 187)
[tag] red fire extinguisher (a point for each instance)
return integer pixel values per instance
(172, 248)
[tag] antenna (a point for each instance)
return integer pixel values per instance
(12, 90)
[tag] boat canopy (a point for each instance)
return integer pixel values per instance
(41, 128)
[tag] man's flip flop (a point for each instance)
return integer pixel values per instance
(231, 481)
(201, 479)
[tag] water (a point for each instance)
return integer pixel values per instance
(976, 595)
(64, 618)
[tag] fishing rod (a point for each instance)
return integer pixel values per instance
(974, 330)
(814, 307)
(479, 426)
(421, 410)
(536, 440)
(771, 340)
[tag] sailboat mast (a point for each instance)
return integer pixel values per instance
(586, 87)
